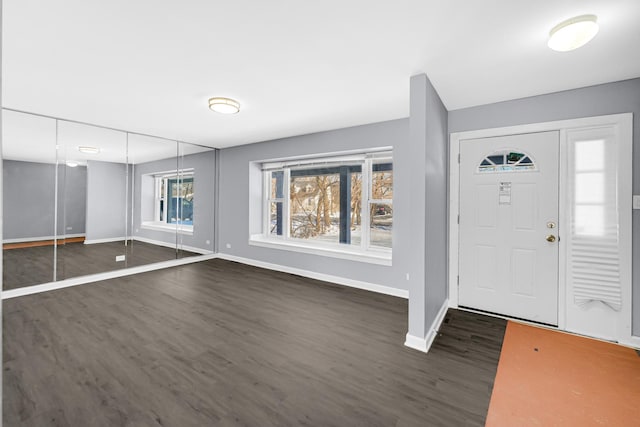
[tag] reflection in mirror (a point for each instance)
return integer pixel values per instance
(29, 188)
(167, 211)
(151, 238)
(193, 199)
(93, 204)
(82, 199)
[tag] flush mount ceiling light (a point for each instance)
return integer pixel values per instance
(224, 105)
(72, 164)
(88, 150)
(573, 33)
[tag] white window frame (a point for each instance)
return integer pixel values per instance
(363, 252)
(156, 223)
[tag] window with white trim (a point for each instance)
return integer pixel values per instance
(172, 197)
(338, 201)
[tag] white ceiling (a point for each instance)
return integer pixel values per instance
(33, 138)
(295, 66)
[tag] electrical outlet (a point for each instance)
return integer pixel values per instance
(636, 201)
(208, 242)
(120, 258)
(228, 245)
(69, 228)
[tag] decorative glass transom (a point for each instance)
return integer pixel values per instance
(507, 161)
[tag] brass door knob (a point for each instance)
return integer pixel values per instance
(551, 238)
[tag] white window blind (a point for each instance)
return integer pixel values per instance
(594, 244)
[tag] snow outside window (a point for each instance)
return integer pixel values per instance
(343, 202)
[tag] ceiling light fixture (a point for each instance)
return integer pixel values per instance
(88, 150)
(72, 164)
(224, 105)
(573, 33)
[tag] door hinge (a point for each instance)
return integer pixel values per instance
(458, 219)
(458, 157)
(458, 280)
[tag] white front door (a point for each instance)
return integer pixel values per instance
(508, 260)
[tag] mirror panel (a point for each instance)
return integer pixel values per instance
(153, 163)
(98, 156)
(193, 199)
(82, 199)
(29, 189)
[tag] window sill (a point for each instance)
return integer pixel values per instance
(352, 254)
(168, 228)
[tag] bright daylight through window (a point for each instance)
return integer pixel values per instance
(335, 201)
(173, 199)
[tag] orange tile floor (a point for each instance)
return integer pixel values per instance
(550, 378)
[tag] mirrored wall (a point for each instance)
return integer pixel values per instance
(81, 199)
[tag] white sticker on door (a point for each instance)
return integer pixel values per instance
(504, 193)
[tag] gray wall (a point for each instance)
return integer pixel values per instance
(106, 200)
(234, 201)
(29, 199)
(437, 203)
(72, 200)
(610, 98)
(203, 165)
(426, 191)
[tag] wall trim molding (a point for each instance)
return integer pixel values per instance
(42, 238)
(106, 240)
(92, 278)
(381, 289)
(424, 344)
(416, 343)
(172, 245)
(632, 341)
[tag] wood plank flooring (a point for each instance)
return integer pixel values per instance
(30, 266)
(218, 343)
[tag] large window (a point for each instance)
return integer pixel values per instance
(172, 201)
(342, 201)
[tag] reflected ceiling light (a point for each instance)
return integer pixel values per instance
(72, 164)
(224, 105)
(573, 33)
(88, 150)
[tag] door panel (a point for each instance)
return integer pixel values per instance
(508, 200)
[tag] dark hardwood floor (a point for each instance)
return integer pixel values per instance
(218, 343)
(34, 265)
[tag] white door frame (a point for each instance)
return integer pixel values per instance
(624, 122)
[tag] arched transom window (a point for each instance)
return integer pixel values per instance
(507, 161)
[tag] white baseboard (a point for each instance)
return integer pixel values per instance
(632, 341)
(416, 343)
(82, 280)
(41, 238)
(387, 290)
(107, 240)
(172, 245)
(424, 344)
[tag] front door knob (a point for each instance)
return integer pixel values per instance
(551, 238)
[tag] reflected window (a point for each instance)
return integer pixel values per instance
(179, 196)
(168, 200)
